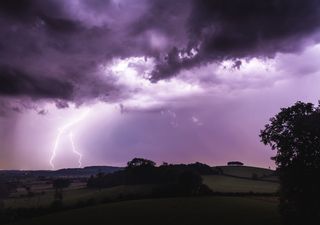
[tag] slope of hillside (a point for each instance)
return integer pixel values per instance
(228, 184)
(170, 211)
(248, 172)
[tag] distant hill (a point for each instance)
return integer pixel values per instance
(86, 171)
(68, 172)
(248, 172)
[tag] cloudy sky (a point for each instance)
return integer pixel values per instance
(98, 82)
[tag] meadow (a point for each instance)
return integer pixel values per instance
(234, 180)
(241, 195)
(248, 171)
(76, 196)
(239, 185)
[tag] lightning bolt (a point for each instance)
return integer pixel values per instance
(66, 129)
(74, 149)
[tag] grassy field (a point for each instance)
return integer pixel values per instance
(247, 171)
(231, 184)
(187, 211)
(73, 196)
(193, 210)
(77, 191)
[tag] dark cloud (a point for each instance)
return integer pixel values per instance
(17, 83)
(26, 11)
(237, 64)
(16, 8)
(62, 104)
(54, 49)
(62, 25)
(231, 29)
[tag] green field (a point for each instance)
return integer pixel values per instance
(240, 181)
(73, 196)
(248, 171)
(186, 211)
(189, 210)
(220, 183)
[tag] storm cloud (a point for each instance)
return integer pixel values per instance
(175, 81)
(53, 50)
(233, 29)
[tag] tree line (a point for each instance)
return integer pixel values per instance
(170, 179)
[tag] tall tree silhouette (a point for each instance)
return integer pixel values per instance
(295, 133)
(140, 162)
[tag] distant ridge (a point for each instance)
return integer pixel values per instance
(66, 172)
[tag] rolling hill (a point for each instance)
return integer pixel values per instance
(248, 172)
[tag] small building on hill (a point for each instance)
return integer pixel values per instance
(235, 163)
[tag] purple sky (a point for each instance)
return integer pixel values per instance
(174, 81)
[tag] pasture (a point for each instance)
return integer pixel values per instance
(218, 183)
(248, 172)
(73, 196)
(235, 180)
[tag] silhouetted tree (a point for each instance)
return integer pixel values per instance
(172, 180)
(295, 133)
(235, 163)
(140, 171)
(106, 180)
(139, 162)
(165, 164)
(59, 185)
(200, 168)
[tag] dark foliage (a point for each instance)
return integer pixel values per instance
(189, 182)
(295, 133)
(171, 180)
(235, 163)
(106, 180)
(140, 163)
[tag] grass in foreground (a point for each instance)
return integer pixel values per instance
(187, 211)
